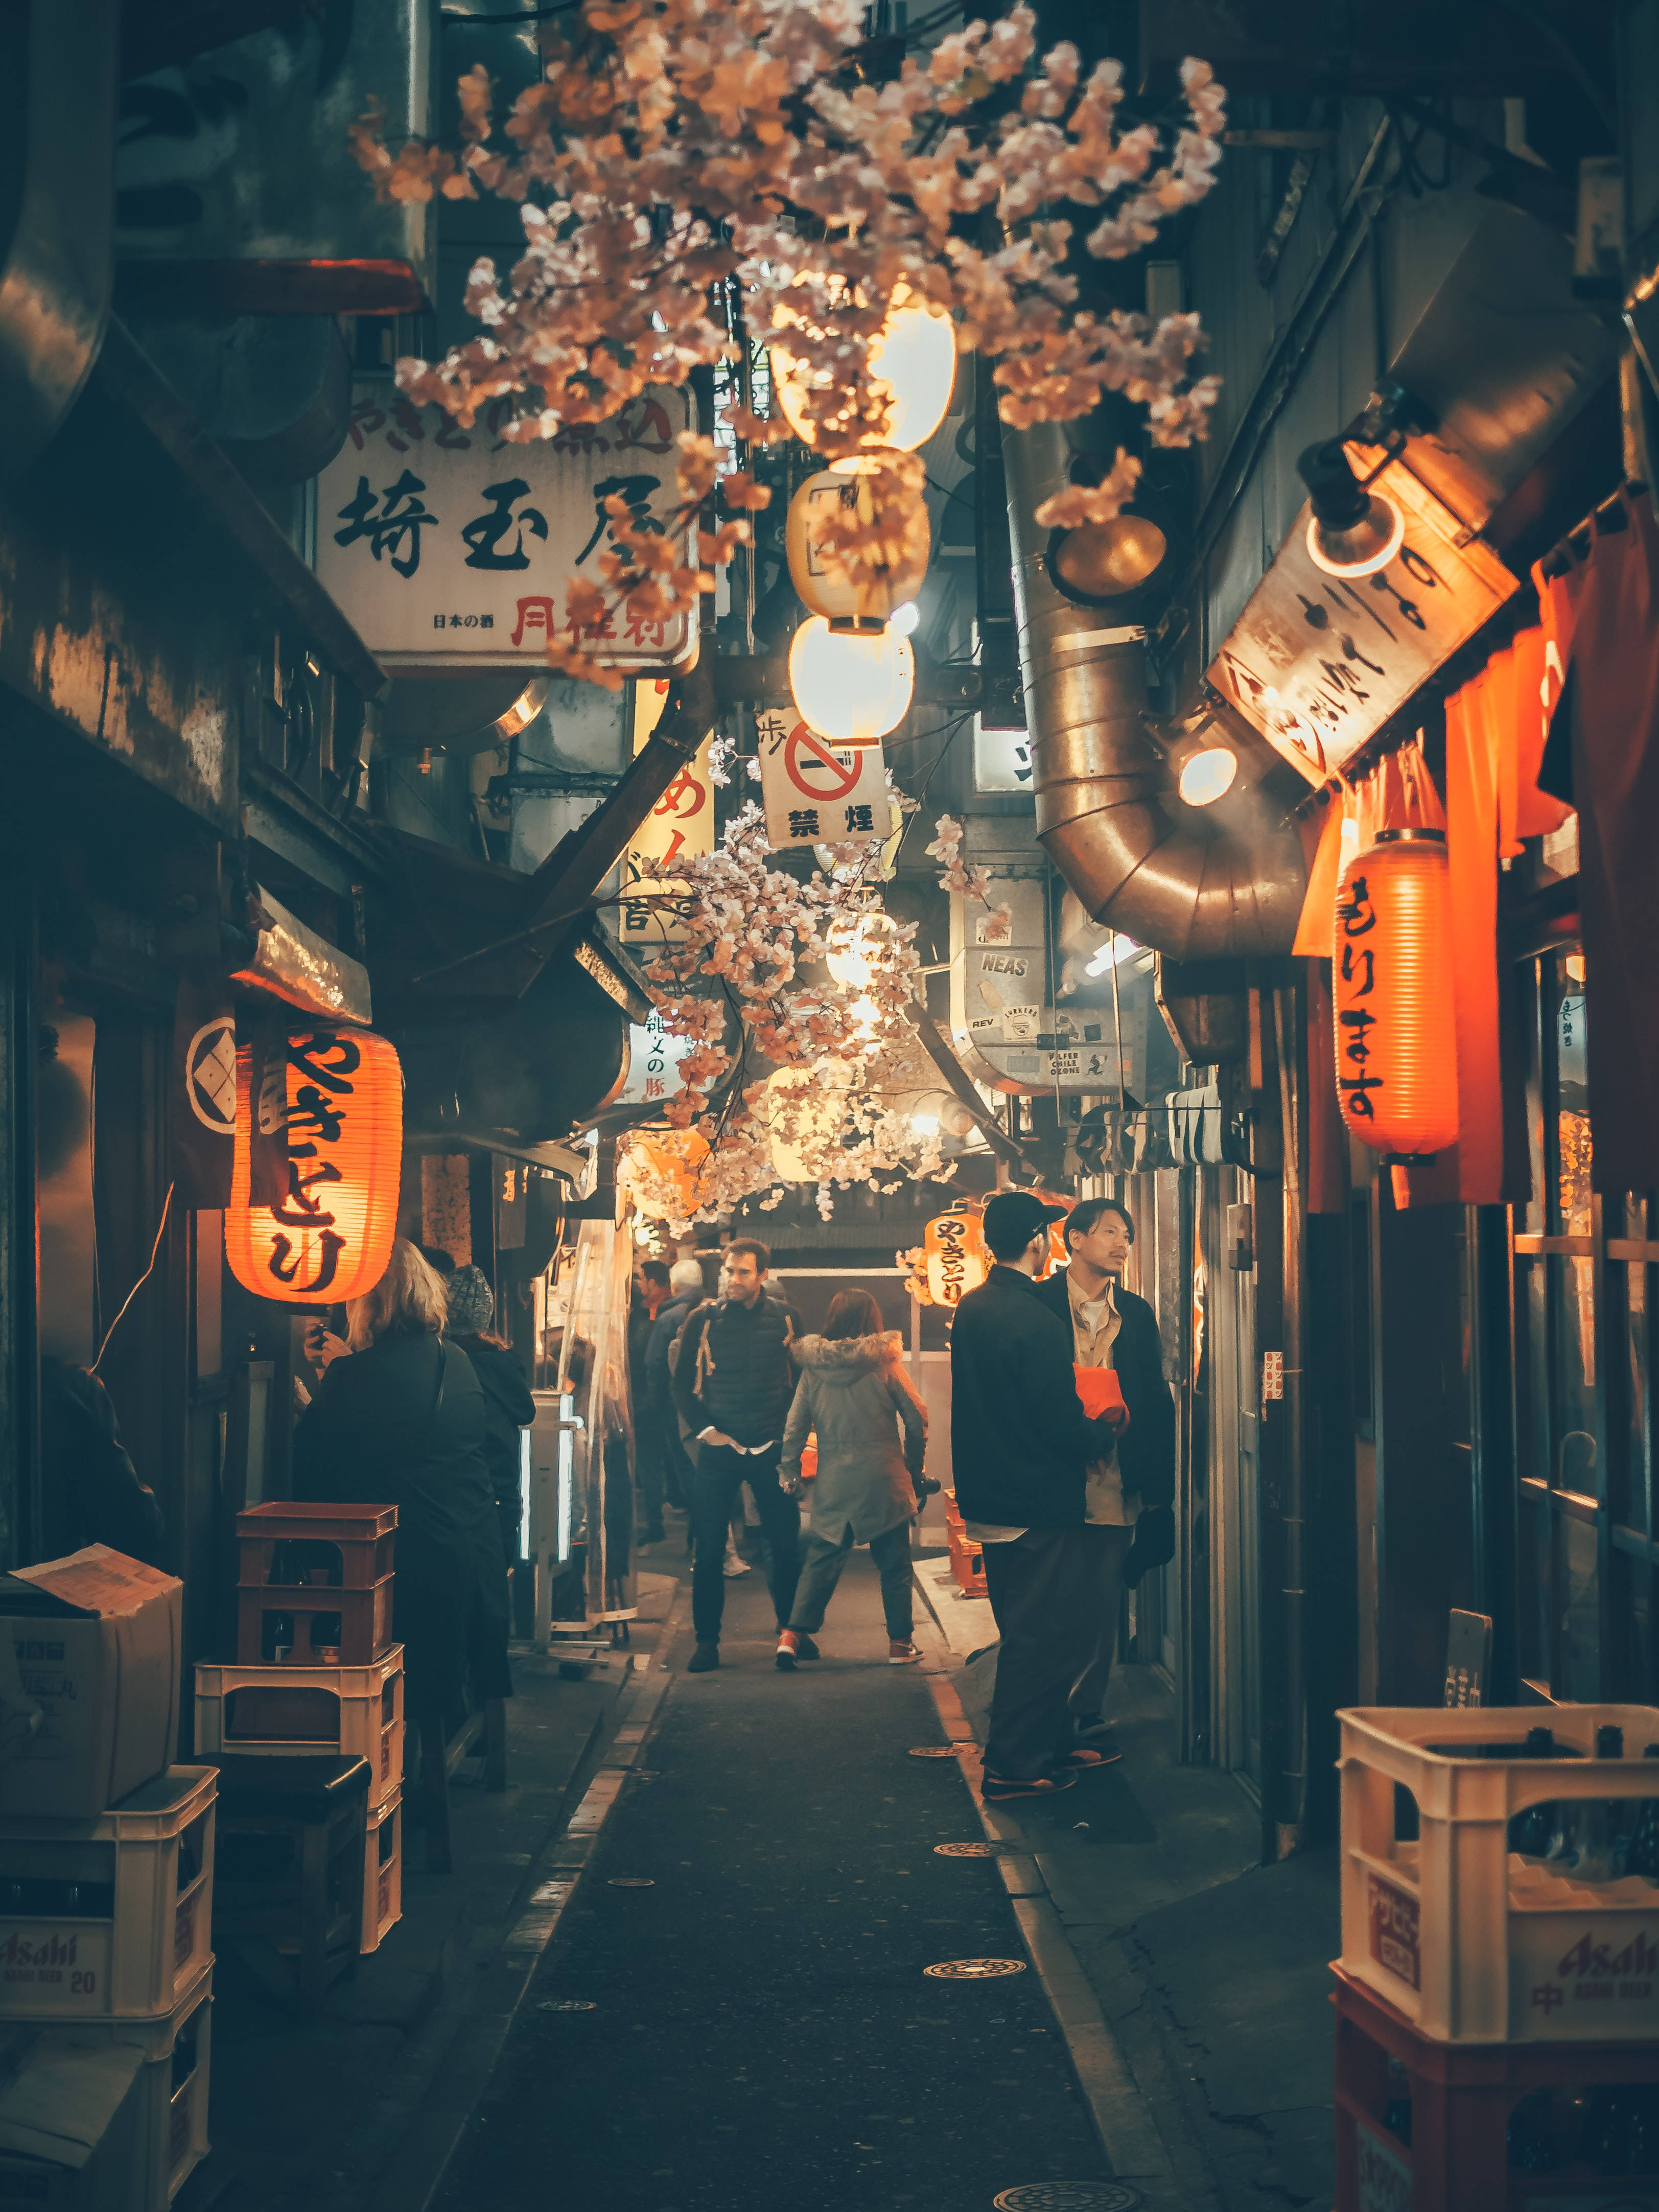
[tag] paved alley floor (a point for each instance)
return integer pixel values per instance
(752, 1935)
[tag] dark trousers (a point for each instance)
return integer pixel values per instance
(719, 1476)
(648, 1468)
(676, 1461)
(821, 1571)
(1106, 1548)
(1044, 1592)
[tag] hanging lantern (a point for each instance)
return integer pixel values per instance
(331, 1237)
(911, 364)
(814, 1101)
(664, 1168)
(1397, 1048)
(1058, 1255)
(851, 687)
(955, 1257)
(877, 503)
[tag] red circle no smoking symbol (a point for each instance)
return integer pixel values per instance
(813, 768)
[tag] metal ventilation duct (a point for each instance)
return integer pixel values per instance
(1222, 881)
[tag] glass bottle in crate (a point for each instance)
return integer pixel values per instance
(1642, 1857)
(1530, 1831)
(1532, 2134)
(1397, 2112)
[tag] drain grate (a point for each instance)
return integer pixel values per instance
(939, 1750)
(567, 2004)
(630, 1881)
(973, 1970)
(964, 1850)
(1069, 2197)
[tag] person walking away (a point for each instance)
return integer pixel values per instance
(509, 1409)
(1112, 1328)
(854, 1395)
(685, 1292)
(734, 1378)
(402, 1422)
(1020, 1442)
(650, 1296)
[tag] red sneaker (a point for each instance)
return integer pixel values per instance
(994, 1790)
(901, 1652)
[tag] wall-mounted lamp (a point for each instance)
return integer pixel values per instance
(1117, 565)
(1205, 765)
(1354, 531)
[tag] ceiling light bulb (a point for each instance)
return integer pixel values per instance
(851, 687)
(925, 1125)
(1208, 775)
(1352, 530)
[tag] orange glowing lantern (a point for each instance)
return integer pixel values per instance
(1396, 1047)
(672, 1160)
(343, 1109)
(955, 1257)
(1058, 1252)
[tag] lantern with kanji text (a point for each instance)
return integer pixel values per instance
(1396, 1047)
(335, 1109)
(954, 1256)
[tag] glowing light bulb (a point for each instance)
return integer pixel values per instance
(852, 688)
(912, 362)
(1208, 775)
(905, 619)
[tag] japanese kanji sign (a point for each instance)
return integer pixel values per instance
(682, 821)
(818, 794)
(654, 1054)
(454, 549)
(1319, 663)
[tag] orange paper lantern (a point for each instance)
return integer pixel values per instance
(955, 1257)
(331, 1237)
(1396, 1047)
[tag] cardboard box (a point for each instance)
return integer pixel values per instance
(69, 2128)
(99, 1643)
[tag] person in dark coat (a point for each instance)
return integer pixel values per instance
(685, 1296)
(649, 1298)
(402, 1422)
(90, 1488)
(509, 1409)
(1020, 1443)
(1130, 1516)
(734, 1379)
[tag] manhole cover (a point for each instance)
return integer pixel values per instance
(963, 1851)
(567, 2004)
(1069, 2197)
(939, 1750)
(631, 1882)
(973, 1970)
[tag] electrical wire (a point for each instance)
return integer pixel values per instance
(155, 1252)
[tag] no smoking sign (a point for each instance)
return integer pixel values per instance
(818, 794)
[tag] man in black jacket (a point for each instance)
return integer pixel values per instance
(1019, 1443)
(734, 1377)
(1131, 1521)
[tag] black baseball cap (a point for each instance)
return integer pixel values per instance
(1013, 1217)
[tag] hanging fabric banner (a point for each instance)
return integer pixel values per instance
(202, 1088)
(268, 1107)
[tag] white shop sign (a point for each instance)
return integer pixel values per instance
(453, 549)
(818, 794)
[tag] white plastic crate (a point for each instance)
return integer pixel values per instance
(301, 1711)
(383, 1873)
(1471, 1941)
(173, 2121)
(111, 1916)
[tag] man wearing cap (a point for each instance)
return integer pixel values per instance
(1021, 1444)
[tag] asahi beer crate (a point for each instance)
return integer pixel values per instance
(173, 2116)
(109, 1918)
(356, 1713)
(383, 1873)
(1474, 1942)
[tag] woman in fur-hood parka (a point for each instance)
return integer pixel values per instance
(872, 1434)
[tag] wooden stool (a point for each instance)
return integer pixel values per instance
(482, 1735)
(308, 1898)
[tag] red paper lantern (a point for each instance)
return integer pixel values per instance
(1396, 1046)
(331, 1237)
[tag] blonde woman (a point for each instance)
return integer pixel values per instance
(402, 1423)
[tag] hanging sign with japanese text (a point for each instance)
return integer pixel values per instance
(452, 549)
(1319, 663)
(681, 821)
(818, 794)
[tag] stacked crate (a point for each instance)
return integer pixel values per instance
(106, 1937)
(967, 1558)
(316, 1669)
(1497, 2019)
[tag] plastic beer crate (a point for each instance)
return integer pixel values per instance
(352, 1547)
(357, 1712)
(109, 1918)
(1471, 1943)
(383, 1873)
(172, 2123)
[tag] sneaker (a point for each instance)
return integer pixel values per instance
(733, 1564)
(901, 1652)
(994, 1790)
(788, 1651)
(804, 1647)
(1087, 1756)
(703, 1660)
